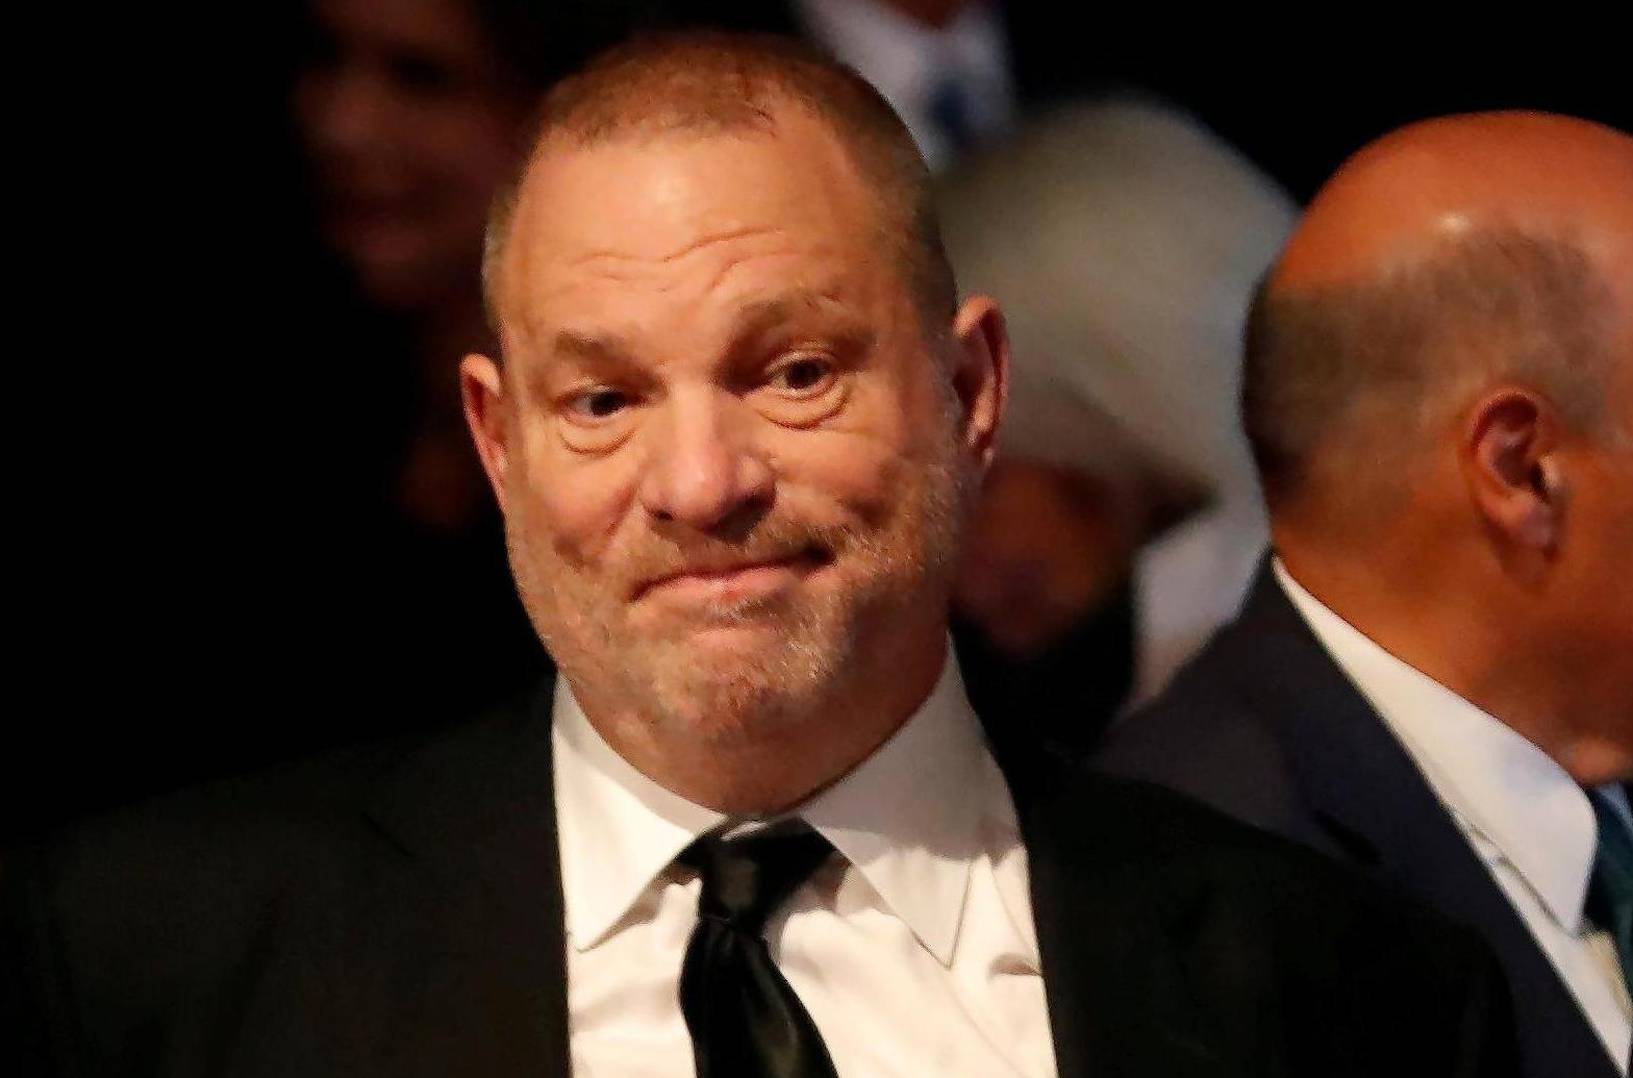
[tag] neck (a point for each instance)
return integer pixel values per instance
(1421, 614)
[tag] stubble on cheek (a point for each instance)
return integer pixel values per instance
(721, 672)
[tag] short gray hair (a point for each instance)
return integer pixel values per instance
(711, 82)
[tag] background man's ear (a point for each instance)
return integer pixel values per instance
(981, 372)
(482, 385)
(1514, 472)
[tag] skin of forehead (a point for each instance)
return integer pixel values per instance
(809, 184)
(1401, 197)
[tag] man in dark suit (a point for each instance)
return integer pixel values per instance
(755, 829)
(1433, 677)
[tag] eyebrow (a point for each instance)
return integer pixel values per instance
(594, 356)
(754, 320)
(593, 350)
(755, 317)
(763, 315)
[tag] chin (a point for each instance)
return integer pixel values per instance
(722, 707)
(752, 626)
(735, 681)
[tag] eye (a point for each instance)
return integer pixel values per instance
(802, 389)
(803, 376)
(597, 418)
(599, 403)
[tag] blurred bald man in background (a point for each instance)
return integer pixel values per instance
(1434, 674)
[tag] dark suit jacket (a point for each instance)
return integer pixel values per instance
(398, 911)
(1264, 725)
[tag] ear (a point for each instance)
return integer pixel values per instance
(482, 386)
(1514, 470)
(981, 373)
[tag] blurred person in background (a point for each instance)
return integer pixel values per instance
(944, 65)
(961, 73)
(1121, 522)
(410, 113)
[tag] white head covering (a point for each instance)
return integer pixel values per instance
(1123, 240)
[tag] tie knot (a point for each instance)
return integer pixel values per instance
(745, 879)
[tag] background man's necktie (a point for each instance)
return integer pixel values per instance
(1610, 894)
(745, 1020)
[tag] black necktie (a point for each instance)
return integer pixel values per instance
(745, 1020)
(1610, 892)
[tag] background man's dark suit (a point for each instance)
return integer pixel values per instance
(398, 911)
(1264, 725)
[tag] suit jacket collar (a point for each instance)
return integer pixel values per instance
(1110, 937)
(476, 807)
(1496, 783)
(1373, 801)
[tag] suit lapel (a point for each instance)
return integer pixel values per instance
(1118, 997)
(1374, 802)
(476, 810)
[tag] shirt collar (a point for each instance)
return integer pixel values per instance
(911, 818)
(617, 828)
(1499, 783)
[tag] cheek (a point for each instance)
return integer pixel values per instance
(1619, 557)
(576, 506)
(858, 465)
(855, 475)
(1599, 542)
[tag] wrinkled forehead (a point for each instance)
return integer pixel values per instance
(675, 214)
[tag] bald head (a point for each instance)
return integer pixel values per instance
(1445, 258)
(1414, 193)
(1439, 393)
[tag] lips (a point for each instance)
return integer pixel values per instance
(721, 583)
(735, 578)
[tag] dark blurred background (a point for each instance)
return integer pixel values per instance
(253, 528)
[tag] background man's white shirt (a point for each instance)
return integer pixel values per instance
(913, 950)
(1530, 823)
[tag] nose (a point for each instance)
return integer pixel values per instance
(703, 468)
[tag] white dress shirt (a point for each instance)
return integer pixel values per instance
(913, 950)
(1521, 812)
(907, 61)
